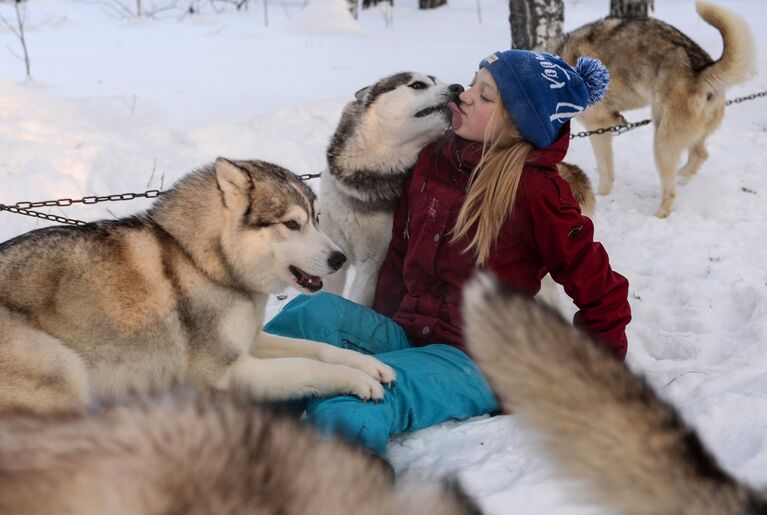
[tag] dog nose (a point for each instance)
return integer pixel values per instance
(455, 88)
(336, 260)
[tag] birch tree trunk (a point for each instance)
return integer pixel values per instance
(535, 22)
(631, 8)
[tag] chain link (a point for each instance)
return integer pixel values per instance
(625, 127)
(23, 208)
(616, 129)
(752, 96)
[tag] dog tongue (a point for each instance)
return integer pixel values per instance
(457, 118)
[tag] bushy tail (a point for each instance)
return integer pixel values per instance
(581, 186)
(600, 422)
(738, 55)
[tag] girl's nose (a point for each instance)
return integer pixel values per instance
(463, 96)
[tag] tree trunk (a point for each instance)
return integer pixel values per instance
(372, 3)
(631, 8)
(535, 22)
(430, 4)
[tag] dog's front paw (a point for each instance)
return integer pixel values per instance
(663, 212)
(365, 386)
(376, 369)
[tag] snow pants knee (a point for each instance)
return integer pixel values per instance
(434, 383)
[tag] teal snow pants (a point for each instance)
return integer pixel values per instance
(434, 383)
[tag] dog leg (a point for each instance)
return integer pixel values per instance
(667, 153)
(594, 118)
(273, 346)
(363, 288)
(697, 156)
(37, 371)
(294, 378)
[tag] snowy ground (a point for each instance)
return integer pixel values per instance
(123, 106)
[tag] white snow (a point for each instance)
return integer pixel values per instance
(121, 105)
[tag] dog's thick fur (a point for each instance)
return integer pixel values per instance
(374, 147)
(174, 295)
(177, 453)
(652, 63)
(602, 424)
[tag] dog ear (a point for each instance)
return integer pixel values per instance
(233, 181)
(359, 95)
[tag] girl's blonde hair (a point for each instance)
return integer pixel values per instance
(493, 184)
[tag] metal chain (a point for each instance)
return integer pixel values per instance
(617, 129)
(23, 208)
(747, 97)
(625, 127)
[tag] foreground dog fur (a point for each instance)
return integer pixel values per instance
(176, 454)
(601, 423)
(652, 63)
(174, 295)
(375, 146)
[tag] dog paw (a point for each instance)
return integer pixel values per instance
(366, 387)
(377, 369)
(663, 212)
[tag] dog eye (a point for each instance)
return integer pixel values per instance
(419, 85)
(292, 225)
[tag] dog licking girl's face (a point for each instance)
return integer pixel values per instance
(472, 115)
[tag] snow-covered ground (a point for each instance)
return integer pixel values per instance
(121, 105)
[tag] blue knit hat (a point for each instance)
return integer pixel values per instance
(542, 92)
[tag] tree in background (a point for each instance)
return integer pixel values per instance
(430, 4)
(18, 29)
(535, 22)
(631, 8)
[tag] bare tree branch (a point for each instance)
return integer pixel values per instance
(18, 31)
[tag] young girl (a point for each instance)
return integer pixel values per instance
(488, 196)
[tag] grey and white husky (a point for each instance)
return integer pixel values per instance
(175, 295)
(375, 146)
(601, 423)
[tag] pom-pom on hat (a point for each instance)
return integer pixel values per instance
(542, 92)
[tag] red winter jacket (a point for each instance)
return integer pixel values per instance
(420, 282)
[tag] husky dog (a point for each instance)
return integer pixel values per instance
(375, 146)
(602, 424)
(669, 72)
(174, 295)
(175, 454)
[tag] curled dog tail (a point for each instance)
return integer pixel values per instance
(601, 423)
(738, 55)
(580, 184)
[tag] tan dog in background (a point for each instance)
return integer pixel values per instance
(652, 63)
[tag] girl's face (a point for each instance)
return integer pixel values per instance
(471, 117)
